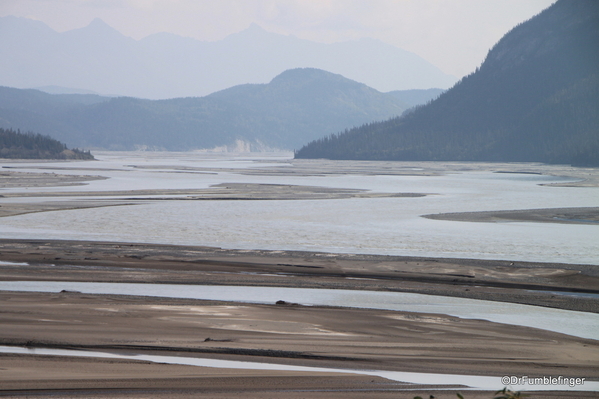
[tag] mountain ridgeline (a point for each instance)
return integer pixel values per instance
(17, 145)
(534, 99)
(163, 65)
(296, 107)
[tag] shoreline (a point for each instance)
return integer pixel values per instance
(159, 326)
(530, 283)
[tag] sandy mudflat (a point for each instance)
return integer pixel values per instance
(15, 179)
(578, 176)
(308, 336)
(520, 282)
(589, 215)
(226, 191)
(286, 334)
(12, 209)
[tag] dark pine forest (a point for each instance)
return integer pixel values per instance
(14, 144)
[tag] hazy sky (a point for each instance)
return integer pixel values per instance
(455, 35)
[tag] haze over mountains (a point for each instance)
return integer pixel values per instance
(101, 59)
(296, 107)
(535, 98)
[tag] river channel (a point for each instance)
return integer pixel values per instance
(450, 380)
(366, 225)
(580, 324)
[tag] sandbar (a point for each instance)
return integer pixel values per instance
(285, 333)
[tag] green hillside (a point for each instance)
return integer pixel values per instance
(535, 98)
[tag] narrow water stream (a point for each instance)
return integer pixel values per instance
(579, 324)
(451, 380)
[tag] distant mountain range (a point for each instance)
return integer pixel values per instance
(160, 66)
(535, 98)
(296, 107)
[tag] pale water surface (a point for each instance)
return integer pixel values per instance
(363, 225)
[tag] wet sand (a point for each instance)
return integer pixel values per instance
(15, 179)
(581, 215)
(579, 176)
(308, 336)
(227, 191)
(286, 334)
(519, 282)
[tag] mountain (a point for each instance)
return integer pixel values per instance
(163, 65)
(534, 98)
(297, 106)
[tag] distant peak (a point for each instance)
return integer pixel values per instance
(306, 74)
(303, 72)
(97, 22)
(98, 25)
(254, 30)
(254, 27)
(97, 28)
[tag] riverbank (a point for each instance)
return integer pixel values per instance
(285, 333)
(517, 282)
(48, 377)
(278, 334)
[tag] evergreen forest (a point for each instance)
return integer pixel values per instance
(534, 99)
(14, 144)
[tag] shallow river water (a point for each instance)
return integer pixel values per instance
(359, 225)
(580, 324)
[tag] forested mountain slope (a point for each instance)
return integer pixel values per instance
(535, 98)
(14, 144)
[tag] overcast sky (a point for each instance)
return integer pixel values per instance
(454, 35)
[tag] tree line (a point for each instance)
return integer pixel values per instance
(17, 145)
(534, 99)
